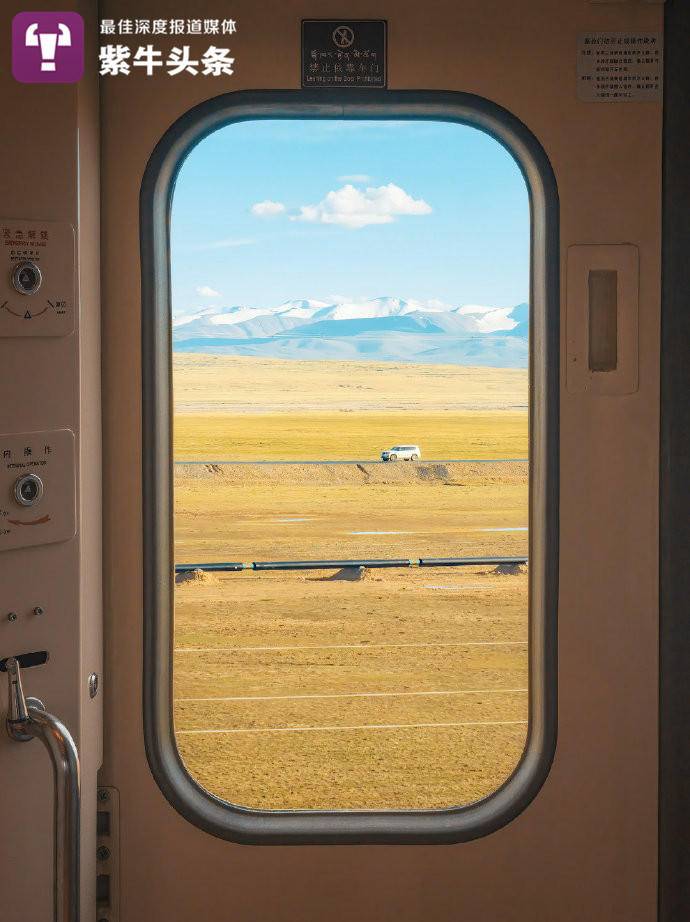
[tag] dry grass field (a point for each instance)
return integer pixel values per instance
(412, 708)
(318, 511)
(230, 408)
(402, 688)
(348, 435)
(236, 384)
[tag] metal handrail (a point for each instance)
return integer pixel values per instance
(27, 719)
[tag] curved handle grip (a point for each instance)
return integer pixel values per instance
(28, 720)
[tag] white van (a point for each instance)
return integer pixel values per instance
(402, 453)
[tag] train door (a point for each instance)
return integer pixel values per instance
(195, 817)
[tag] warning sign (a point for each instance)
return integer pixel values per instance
(344, 53)
(620, 66)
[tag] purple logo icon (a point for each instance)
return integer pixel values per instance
(47, 47)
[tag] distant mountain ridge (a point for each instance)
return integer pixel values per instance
(385, 329)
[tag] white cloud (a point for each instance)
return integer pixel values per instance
(355, 177)
(354, 208)
(224, 244)
(207, 292)
(267, 209)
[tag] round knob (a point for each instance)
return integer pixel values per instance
(28, 490)
(27, 278)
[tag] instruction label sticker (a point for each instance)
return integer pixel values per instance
(344, 53)
(620, 66)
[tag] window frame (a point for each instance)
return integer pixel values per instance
(185, 794)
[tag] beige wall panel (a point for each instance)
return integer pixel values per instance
(49, 171)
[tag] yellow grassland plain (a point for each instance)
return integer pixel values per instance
(353, 689)
(241, 409)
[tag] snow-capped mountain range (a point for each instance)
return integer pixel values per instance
(383, 329)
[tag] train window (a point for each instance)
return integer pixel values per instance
(350, 464)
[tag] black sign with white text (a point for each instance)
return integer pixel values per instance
(344, 53)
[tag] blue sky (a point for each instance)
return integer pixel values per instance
(421, 210)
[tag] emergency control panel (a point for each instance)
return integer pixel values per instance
(37, 488)
(37, 272)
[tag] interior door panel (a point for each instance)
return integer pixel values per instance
(585, 846)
